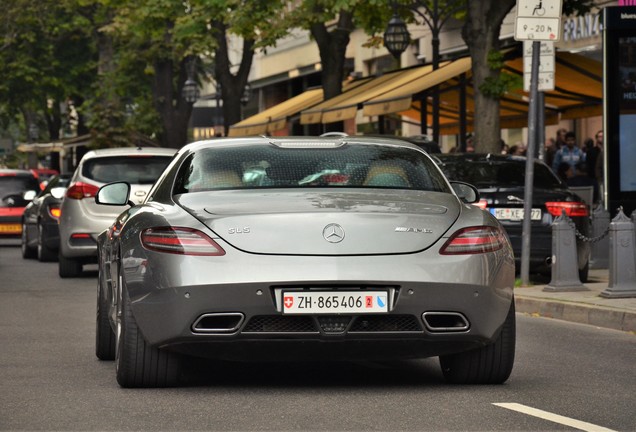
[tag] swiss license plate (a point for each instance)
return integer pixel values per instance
(328, 302)
(10, 228)
(515, 214)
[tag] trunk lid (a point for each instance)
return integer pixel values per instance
(320, 222)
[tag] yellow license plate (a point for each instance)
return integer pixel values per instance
(10, 228)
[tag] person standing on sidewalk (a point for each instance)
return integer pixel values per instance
(569, 154)
(596, 169)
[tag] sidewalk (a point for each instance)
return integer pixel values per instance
(585, 307)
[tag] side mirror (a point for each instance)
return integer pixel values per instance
(29, 195)
(115, 194)
(466, 192)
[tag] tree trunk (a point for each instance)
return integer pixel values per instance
(53, 118)
(173, 109)
(481, 34)
(332, 47)
(232, 85)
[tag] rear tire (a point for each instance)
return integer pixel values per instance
(45, 254)
(104, 334)
(491, 364)
(137, 363)
(27, 251)
(69, 268)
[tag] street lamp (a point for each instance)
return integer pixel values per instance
(247, 93)
(190, 91)
(396, 36)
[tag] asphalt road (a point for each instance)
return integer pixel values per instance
(566, 377)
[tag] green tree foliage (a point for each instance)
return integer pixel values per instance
(162, 43)
(47, 57)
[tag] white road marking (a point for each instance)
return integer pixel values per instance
(581, 425)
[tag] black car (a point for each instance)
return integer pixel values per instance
(40, 231)
(500, 180)
(17, 188)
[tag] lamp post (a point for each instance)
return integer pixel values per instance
(396, 36)
(434, 16)
(247, 93)
(396, 40)
(190, 91)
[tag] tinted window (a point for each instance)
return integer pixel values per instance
(347, 166)
(13, 186)
(131, 169)
(485, 174)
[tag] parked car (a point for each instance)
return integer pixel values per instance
(336, 248)
(500, 180)
(17, 188)
(82, 220)
(40, 230)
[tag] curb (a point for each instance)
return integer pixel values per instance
(579, 313)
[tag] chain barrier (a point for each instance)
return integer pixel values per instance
(583, 237)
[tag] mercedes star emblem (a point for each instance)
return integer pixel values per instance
(333, 233)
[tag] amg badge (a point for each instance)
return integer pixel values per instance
(414, 230)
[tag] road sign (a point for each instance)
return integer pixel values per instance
(539, 29)
(545, 82)
(538, 20)
(546, 66)
(539, 8)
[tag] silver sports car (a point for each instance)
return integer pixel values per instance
(304, 248)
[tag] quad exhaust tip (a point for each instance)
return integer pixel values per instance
(224, 322)
(445, 322)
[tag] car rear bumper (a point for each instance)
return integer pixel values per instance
(167, 317)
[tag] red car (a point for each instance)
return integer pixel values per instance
(17, 188)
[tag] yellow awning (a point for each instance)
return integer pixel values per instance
(400, 98)
(577, 94)
(275, 118)
(345, 105)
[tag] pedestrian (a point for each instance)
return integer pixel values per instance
(570, 153)
(548, 151)
(560, 138)
(592, 156)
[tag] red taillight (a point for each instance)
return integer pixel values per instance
(184, 241)
(80, 236)
(571, 208)
(474, 240)
(55, 212)
(81, 190)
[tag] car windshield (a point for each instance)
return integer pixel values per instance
(132, 169)
(12, 187)
(351, 165)
(491, 174)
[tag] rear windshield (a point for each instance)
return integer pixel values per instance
(361, 166)
(491, 174)
(13, 186)
(131, 169)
